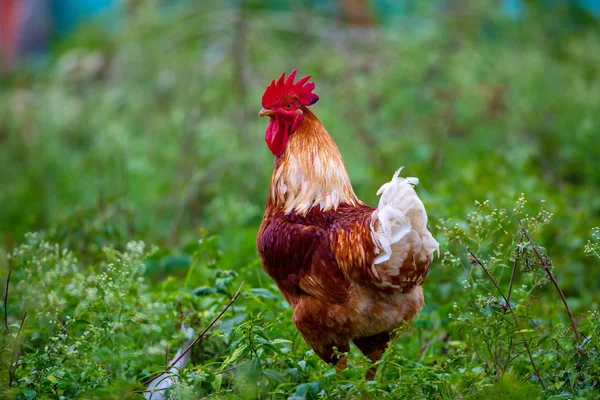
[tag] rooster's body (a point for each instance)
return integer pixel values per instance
(350, 272)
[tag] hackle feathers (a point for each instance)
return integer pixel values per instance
(311, 172)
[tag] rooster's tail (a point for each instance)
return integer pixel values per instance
(404, 246)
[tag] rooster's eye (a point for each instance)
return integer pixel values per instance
(288, 106)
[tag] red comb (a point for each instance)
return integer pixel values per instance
(280, 89)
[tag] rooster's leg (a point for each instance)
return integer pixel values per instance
(336, 358)
(373, 347)
(339, 358)
(341, 364)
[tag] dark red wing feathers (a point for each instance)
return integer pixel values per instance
(296, 253)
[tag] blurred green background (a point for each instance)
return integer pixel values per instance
(149, 129)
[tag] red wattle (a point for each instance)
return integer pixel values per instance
(276, 137)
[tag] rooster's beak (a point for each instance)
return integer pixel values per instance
(265, 112)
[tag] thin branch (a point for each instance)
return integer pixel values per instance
(493, 355)
(14, 380)
(512, 274)
(6, 301)
(485, 366)
(199, 337)
(231, 368)
(166, 357)
(591, 342)
(509, 360)
(149, 390)
(11, 371)
(85, 339)
(478, 261)
(551, 276)
(64, 332)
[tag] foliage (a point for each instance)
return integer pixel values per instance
(149, 136)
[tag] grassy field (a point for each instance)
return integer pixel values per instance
(134, 175)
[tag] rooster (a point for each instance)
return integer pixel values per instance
(350, 272)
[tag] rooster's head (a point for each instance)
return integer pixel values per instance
(285, 102)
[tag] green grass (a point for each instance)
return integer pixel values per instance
(138, 161)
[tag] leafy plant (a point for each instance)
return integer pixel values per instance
(148, 135)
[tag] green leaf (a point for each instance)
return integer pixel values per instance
(204, 291)
(216, 384)
(158, 255)
(275, 376)
(254, 370)
(263, 293)
(293, 373)
(237, 353)
(29, 394)
(191, 247)
(278, 341)
(307, 390)
(171, 263)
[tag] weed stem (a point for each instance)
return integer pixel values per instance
(200, 335)
(512, 274)
(6, 301)
(478, 261)
(551, 276)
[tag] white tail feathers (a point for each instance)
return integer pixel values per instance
(399, 227)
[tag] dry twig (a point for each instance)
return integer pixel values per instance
(200, 336)
(551, 276)
(6, 301)
(13, 361)
(512, 274)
